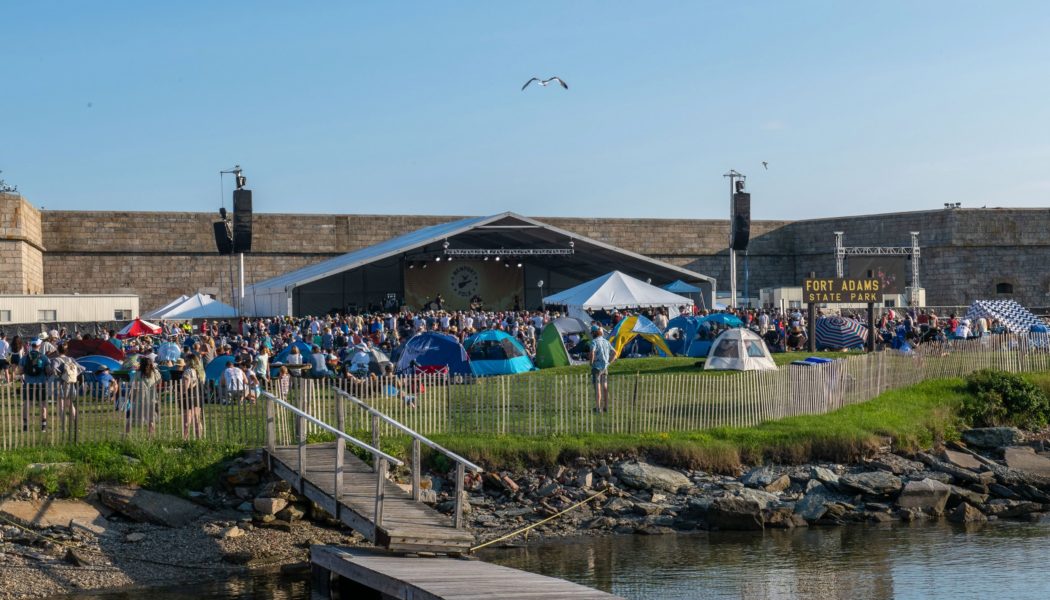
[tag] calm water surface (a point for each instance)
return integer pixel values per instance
(997, 560)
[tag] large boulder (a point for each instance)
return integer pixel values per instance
(812, 506)
(149, 507)
(874, 483)
(964, 513)
(765, 478)
(928, 495)
(763, 499)
(735, 513)
(993, 437)
(824, 475)
(643, 476)
(1025, 459)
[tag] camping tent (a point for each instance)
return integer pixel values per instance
(551, 349)
(739, 350)
(78, 348)
(377, 360)
(213, 370)
(688, 336)
(305, 350)
(838, 333)
(494, 352)
(168, 351)
(1014, 317)
(170, 305)
(136, 328)
(616, 290)
(723, 319)
(433, 352)
(198, 306)
(637, 327)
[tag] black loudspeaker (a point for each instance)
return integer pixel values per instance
(741, 221)
(242, 221)
(222, 238)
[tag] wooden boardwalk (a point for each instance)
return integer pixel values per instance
(406, 525)
(360, 573)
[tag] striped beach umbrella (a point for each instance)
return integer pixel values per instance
(837, 333)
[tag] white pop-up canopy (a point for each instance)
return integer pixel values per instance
(198, 306)
(616, 290)
(166, 307)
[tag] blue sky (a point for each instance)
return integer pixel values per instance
(388, 107)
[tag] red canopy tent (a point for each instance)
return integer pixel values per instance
(138, 327)
(93, 347)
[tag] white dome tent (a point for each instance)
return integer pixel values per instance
(739, 349)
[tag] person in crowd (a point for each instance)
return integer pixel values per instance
(233, 384)
(189, 397)
(142, 394)
(66, 376)
(36, 368)
(602, 356)
(5, 358)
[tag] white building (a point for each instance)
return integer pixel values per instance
(67, 308)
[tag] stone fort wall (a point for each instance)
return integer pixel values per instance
(159, 255)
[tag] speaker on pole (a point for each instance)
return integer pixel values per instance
(223, 240)
(741, 224)
(242, 221)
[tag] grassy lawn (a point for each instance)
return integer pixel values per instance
(907, 419)
(676, 364)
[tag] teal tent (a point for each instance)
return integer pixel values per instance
(493, 352)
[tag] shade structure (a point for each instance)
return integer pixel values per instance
(1011, 315)
(198, 306)
(616, 290)
(137, 328)
(739, 350)
(79, 348)
(724, 319)
(680, 287)
(557, 345)
(840, 333)
(494, 352)
(637, 327)
(170, 305)
(168, 351)
(433, 352)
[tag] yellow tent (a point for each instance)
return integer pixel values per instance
(637, 326)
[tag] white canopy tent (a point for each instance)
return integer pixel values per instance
(616, 290)
(198, 306)
(166, 307)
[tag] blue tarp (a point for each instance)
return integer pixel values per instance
(431, 350)
(494, 352)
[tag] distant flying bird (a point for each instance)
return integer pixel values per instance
(545, 82)
(765, 165)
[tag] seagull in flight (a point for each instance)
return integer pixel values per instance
(545, 82)
(765, 165)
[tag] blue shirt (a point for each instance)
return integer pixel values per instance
(602, 353)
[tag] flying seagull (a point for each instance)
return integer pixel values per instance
(765, 165)
(545, 82)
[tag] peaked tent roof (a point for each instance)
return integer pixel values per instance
(680, 287)
(511, 224)
(1014, 317)
(166, 307)
(199, 306)
(616, 290)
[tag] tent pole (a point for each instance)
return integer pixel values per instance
(240, 300)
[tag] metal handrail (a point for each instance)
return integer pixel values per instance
(330, 429)
(389, 421)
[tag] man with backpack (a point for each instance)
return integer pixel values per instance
(36, 368)
(67, 373)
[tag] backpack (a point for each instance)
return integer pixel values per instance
(37, 364)
(68, 370)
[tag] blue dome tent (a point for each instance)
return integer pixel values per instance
(213, 370)
(433, 352)
(494, 352)
(689, 336)
(304, 350)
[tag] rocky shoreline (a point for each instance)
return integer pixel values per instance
(122, 537)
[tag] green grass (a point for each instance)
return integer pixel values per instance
(676, 364)
(906, 419)
(167, 467)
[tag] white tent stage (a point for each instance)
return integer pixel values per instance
(198, 306)
(166, 307)
(616, 290)
(541, 259)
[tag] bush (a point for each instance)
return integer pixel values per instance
(1001, 398)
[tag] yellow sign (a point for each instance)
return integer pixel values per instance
(834, 290)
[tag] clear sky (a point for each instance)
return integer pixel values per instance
(396, 107)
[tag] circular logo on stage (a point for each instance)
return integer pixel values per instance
(464, 281)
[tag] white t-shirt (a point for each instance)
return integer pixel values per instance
(234, 380)
(5, 348)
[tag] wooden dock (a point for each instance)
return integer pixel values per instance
(406, 525)
(341, 572)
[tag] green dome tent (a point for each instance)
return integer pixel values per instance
(551, 350)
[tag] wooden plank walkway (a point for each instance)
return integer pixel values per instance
(434, 578)
(407, 525)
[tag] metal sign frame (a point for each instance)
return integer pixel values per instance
(841, 252)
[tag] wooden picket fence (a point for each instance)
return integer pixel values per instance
(530, 404)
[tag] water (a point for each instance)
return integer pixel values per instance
(997, 560)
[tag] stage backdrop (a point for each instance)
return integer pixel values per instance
(459, 281)
(893, 272)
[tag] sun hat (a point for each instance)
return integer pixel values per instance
(181, 363)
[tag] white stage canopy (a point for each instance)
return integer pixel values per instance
(616, 291)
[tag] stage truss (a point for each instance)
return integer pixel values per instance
(841, 252)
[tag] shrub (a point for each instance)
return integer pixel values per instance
(1001, 398)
